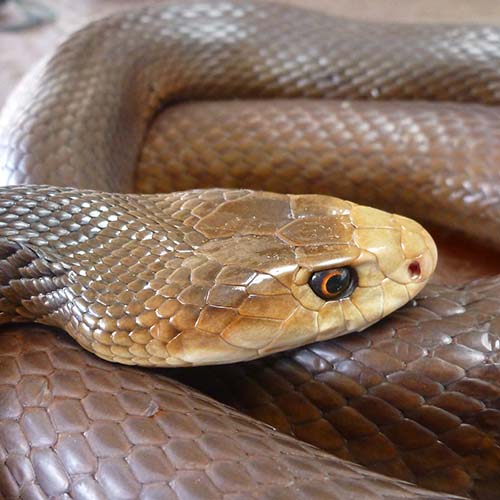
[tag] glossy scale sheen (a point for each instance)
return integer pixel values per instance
(218, 275)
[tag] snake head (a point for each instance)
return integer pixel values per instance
(203, 277)
(301, 268)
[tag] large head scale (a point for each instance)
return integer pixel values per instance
(312, 267)
(204, 277)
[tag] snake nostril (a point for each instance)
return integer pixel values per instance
(414, 270)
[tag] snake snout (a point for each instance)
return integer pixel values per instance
(397, 258)
(419, 250)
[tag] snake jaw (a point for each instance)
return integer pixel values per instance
(394, 258)
(197, 277)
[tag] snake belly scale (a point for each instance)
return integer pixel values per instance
(215, 275)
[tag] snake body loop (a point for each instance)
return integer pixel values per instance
(206, 275)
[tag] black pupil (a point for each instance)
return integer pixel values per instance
(337, 282)
(334, 284)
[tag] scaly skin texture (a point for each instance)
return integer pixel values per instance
(200, 277)
(415, 397)
(75, 425)
(431, 161)
(86, 260)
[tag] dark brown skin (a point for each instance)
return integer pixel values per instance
(374, 398)
(414, 397)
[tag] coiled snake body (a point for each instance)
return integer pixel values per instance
(209, 276)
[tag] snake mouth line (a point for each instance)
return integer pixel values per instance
(221, 275)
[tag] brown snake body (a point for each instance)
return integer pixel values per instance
(221, 275)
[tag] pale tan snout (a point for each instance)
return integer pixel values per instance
(405, 251)
(420, 253)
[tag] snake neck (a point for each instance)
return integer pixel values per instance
(31, 285)
(37, 239)
(42, 231)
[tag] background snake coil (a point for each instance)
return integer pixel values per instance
(206, 275)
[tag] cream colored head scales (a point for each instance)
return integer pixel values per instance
(201, 277)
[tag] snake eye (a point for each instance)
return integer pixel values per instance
(334, 284)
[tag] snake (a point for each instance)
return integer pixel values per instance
(175, 184)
